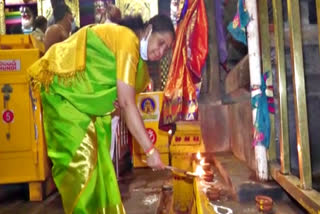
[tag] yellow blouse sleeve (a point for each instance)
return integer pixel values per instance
(127, 56)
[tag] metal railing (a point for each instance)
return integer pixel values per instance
(299, 187)
(122, 143)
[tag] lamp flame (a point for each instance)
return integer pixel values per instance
(202, 162)
(198, 156)
(199, 171)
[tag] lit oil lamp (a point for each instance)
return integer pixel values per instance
(264, 203)
(207, 176)
(205, 166)
(213, 193)
(203, 169)
(198, 156)
(199, 171)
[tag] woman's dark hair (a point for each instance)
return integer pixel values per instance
(160, 23)
(60, 11)
(135, 23)
(40, 22)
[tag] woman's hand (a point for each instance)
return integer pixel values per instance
(117, 108)
(126, 96)
(116, 104)
(154, 161)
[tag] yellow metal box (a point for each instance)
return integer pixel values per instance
(149, 105)
(158, 137)
(186, 141)
(22, 148)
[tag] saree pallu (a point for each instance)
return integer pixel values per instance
(77, 124)
(189, 55)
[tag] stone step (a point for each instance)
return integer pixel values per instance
(239, 188)
(243, 180)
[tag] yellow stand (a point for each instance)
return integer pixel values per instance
(185, 143)
(35, 191)
(149, 105)
(23, 156)
(39, 190)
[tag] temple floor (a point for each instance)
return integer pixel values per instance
(140, 190)
(151, 192)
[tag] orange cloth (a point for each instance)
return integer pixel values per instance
(189, 55)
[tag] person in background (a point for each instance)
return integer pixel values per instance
(61, 30)
(106, 12)
(80, 79)
(51, 20)
(54, 3)
(112, 14)
(27, 19)
(39, 28)
(99, 10)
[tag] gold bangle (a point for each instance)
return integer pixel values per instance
(150, 152)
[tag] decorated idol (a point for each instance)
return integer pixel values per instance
(99, 10)
(27, 18)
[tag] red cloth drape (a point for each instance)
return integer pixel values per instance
(189, 55)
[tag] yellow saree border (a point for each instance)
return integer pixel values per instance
(119, 209)
(80, 170)
(53, 62)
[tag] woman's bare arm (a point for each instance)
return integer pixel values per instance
(126, 99)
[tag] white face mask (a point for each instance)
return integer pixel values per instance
(144, 47)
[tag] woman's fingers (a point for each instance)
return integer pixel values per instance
(154, 161)
(116, 104)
